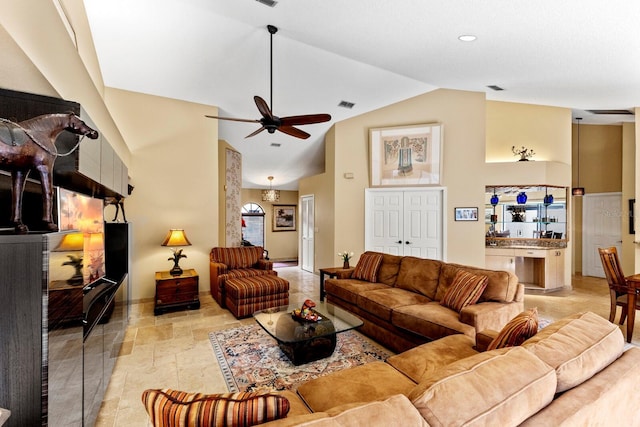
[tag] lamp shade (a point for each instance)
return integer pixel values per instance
(176, 237)
(71, 242)
(270, 195)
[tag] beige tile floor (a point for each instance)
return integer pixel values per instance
(173, 350)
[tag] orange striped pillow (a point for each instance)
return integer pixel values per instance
(168, 407)
(367, 267)
(465, 290)
(517, 330)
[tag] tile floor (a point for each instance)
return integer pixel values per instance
(173, 350)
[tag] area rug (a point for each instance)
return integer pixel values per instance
(251, 360)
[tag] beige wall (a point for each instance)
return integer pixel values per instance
(600, 172)
(463, 117)
(322, 188)
(546, 130)
(175, 175)
(628, 192)
(282, 245)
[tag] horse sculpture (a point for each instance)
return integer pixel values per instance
(30, 145)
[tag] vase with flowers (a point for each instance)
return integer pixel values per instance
(346, 256)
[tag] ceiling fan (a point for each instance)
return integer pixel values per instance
(274, 123)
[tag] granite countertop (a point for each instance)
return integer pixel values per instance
(513, 243)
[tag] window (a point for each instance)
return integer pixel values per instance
(253, 224)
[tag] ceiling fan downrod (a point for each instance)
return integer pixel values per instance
(272, 30)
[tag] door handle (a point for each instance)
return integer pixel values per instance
(399, 242)
(407, 242)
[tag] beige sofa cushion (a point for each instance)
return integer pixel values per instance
(474, 391)
(430, 320)
(394, 411)
(501, 287)
(422, 361)
(364, 383)
(388, 271)
(577, 347)
(382, 302)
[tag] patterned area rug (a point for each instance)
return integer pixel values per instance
(251, 360)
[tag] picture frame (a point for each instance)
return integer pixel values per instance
(284, 218)
(465, 214)
(406, 155)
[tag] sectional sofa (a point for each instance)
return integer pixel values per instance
(574, 372)
(399, 299)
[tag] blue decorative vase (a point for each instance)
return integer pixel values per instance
(521, 198)
(548, 199)
(494, 200)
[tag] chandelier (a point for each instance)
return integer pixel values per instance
(270, 195)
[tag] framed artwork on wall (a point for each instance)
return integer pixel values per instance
(466, 214)
(406, 155)
(284, 218)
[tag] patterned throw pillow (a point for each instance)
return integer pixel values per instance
(465, 290)
(168, 407)
(367, 267)
(517, 330)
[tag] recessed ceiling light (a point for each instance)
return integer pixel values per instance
(467, 38)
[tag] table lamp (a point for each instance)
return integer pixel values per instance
(175, 238)
(73, 242)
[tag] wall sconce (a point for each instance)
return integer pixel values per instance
(176, 238)
(270, 195)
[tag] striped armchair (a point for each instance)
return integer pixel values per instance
(231, 263)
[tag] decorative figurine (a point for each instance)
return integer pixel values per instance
(307, 312)
(30, 145)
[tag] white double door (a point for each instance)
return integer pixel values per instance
(404, 222)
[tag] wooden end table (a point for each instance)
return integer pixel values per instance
(333, 272)
(176, 291)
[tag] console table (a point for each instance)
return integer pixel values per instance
(332, 272)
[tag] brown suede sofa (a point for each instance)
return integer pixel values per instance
(401, 308)
(574, 372)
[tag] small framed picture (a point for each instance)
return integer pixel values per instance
(284, 217)
(466, 214)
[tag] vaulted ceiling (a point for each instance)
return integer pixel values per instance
(578, 54)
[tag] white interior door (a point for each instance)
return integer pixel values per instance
(308, 230)
(601, 228)
(404, 222)
(384, 221)
(423, 224)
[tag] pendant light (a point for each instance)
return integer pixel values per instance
(270, 195)
(578, 191)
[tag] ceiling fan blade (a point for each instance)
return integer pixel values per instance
(290, 130)
(263, 107)
(256, 132)
(306, 119)
(232, 119)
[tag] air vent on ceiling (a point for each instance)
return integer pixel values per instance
(495, 87)
(622, 112)
(270, 3)
(346, 104)
(275, 144)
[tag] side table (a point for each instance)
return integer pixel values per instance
(176, 291)
(333, 272)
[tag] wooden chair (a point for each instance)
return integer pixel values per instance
(618, 286)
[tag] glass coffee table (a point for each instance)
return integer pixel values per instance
(305, 341)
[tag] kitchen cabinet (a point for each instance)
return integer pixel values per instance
(539, 269)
